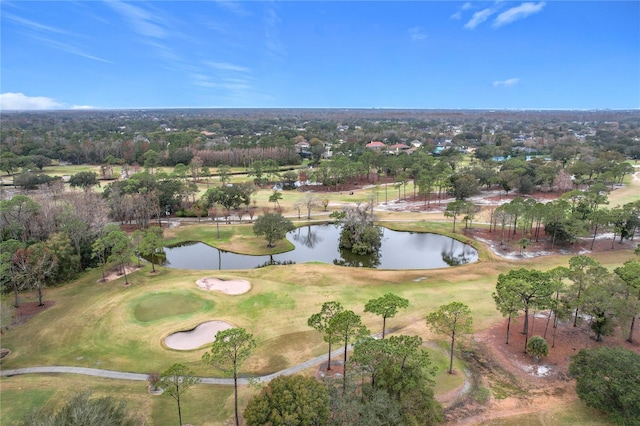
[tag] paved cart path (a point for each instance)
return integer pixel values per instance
(123, 375)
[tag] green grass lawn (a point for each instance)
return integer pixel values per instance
(110, 326)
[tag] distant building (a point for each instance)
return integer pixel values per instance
(398, 148)
(377, 145)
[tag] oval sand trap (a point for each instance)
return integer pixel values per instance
(193, 339)
(224, 286)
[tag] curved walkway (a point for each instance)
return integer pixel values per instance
(122, 375)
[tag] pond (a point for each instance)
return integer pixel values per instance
(319, 243)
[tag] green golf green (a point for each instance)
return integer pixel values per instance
(157, 306)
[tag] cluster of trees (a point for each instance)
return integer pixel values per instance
(47, 239)
(358, 233)
(575, 214)
(50, 238)
(585, 291)
(89, 138)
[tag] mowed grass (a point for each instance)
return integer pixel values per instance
(202, 405)
(156, 306)
(563, 414)
(97, 325)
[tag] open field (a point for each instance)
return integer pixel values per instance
(110, 326)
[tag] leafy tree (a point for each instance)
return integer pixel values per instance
(630, 274)
(121, 251)
(84, 410)
(9, 162)
(605, 302)
(456, 208)
(320, 321)
(275, 198)
(508, 302)
(152, 243)
(348, 327)
(34, 267)
(607, 379)
(533, 287)
(224, 173)
(175, 381)
(386, 306)
(229, 196)
(84, 180)
(273, 226)
(401, 371)
(290, 400)
(537, 347)
(580, 268)
(18, 218)
(463, 186)
(453, 320)
(229, 351)
(151, 160)
(10, 281)
(359, 233)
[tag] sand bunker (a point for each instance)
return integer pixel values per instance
(225, 286)
(199, 336)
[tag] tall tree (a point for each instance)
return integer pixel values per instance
(289, 400)
(401, 369)
(508, 302)
(320, 321)
(121, 251)
(348, 327)
(453, 320)
(34, 267)
(152, 244)
(580, 268)
(456, 208)
(229, 351)
(534, 289)
(275, 198)
(386, 306)
(176, 380)
(10, 281)
(630, 274)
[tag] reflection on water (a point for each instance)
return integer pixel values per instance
(319, 243)
(306, 236)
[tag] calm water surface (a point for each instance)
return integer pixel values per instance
(319, 243)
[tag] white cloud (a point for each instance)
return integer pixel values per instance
(35, 26)
(518, 12)
(417, 34)
(83, 107)
(479, 17)
(69, 48)
(272, 40)
(506, 83)
(458, 14)
(232, 6)
(225, 66)
(20, 101)
(142, 21)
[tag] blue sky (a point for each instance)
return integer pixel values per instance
(318, 54)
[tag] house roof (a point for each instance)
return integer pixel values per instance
(399, 146)
(375, 144)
